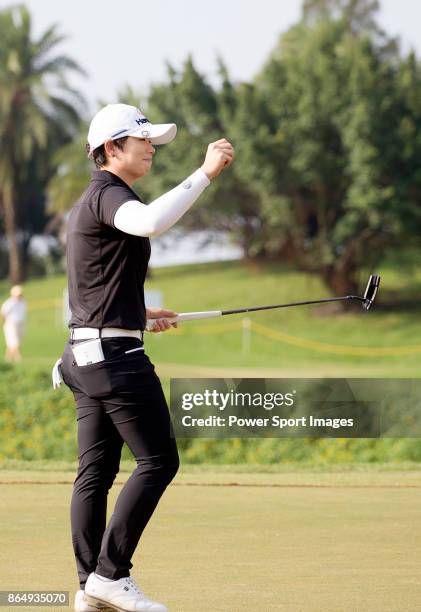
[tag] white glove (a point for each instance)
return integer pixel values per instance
(56, 374)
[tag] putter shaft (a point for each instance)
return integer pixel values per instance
(367, 300)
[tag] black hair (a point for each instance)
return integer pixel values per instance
(100, 157)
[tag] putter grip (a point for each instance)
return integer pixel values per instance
(185, 316)
(151, 322)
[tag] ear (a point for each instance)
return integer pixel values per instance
(109, 148)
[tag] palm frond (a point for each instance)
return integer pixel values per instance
(48, 41)
(57, 66)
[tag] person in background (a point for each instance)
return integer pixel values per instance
(13, 311)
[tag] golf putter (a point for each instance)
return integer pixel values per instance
(367, 301)
(371, 291)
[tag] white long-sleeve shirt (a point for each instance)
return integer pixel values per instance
(139, 219)
(14, 310)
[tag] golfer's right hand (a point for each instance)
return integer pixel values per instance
(220, 155)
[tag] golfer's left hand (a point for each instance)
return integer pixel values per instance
(161, 313)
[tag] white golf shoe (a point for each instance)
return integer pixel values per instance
(122, 595)
(81, 605)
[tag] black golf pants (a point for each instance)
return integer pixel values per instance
(117, 400)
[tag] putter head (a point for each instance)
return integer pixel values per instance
(371, 290)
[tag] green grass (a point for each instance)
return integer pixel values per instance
(292, 541)
(214, 347)
(126, 466)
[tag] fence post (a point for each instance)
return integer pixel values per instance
(246, 336)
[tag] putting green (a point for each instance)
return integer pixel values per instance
(224, 541)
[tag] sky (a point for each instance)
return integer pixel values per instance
(129, 41)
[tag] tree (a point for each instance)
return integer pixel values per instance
(340, 187)
(73, 169)
(34, 115)
(359, 15)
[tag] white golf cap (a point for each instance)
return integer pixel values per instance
(119, 120)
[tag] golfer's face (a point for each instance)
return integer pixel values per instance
(137, 154)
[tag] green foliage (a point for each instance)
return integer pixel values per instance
(360, 15)
(340, 100)
(40, 423)
(73, 173)
(35, 422)
(34, 121)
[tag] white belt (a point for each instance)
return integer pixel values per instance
(85, 333)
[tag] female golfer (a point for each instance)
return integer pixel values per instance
(118, 395)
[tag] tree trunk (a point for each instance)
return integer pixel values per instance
(15, 263)
(340, 278)
(342, 281)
